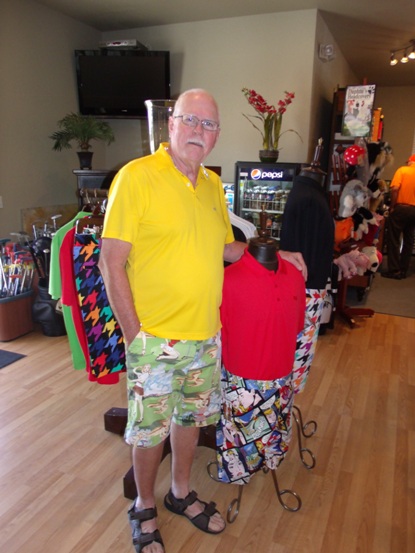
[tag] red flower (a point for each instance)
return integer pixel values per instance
(270, 115)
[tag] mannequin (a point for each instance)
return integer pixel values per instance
(264, 248)
(308, 224)
(314, 172)
(262, 312)
(308, 227)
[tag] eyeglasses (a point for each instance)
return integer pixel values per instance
(193, 121)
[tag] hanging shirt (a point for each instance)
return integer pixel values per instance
(105, 340)
(70, 299)
(55, 290)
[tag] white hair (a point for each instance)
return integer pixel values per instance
(195, 92)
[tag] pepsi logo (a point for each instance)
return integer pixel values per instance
(257, 174)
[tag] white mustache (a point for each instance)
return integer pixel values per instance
(196, 142)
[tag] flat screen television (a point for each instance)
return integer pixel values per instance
(115, 83)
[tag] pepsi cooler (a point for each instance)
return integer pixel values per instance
(265, 186)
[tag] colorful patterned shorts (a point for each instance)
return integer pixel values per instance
(307, 338)
(254, 430)
(170, 380)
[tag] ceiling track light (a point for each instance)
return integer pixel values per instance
(393, 60)
(408, 53)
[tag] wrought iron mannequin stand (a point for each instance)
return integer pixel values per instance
(305, 430)
(314, 172)
(302, 431)
(234, 506)
(263, 250)
(115, 421)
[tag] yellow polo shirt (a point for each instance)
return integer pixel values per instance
(178, 234)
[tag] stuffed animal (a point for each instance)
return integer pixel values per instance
(380, 155)
(371, 237)
(353, 196)
(363, 221)
(375, 257)
(355, 157)
(377, 202)
(343, 234)
(354, 258)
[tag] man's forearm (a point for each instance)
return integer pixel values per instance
(394, 196)
(121, 301)
(112, 264)
(233, 251)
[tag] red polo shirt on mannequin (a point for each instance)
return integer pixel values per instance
(262, 312)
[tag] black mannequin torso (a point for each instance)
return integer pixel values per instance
(264, 250)
(314, 174)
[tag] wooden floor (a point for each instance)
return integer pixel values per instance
(61, 472)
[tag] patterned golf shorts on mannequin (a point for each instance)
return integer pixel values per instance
(254, 430)
(307, 338)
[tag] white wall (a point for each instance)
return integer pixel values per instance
(270, 53)
(37, 88)
(328, 76)
(397, 105)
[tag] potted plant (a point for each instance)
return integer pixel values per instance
(270, 117)
(81, 129)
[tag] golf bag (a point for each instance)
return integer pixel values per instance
(44, 312)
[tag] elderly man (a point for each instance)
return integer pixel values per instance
(165, 237)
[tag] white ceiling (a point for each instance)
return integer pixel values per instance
(365, 30)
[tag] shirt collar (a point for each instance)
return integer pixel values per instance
(165, 161)
(256, 267)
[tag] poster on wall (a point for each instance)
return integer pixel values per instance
(358, 109)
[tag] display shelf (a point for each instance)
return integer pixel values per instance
(92, 179)
(338, 143)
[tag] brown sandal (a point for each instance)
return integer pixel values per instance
(142, 539)
(201, 521)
